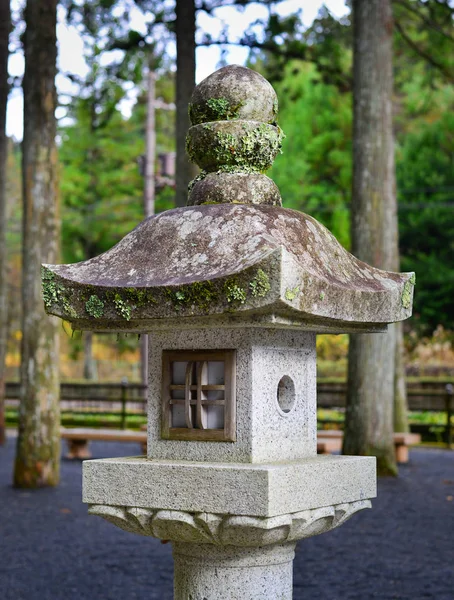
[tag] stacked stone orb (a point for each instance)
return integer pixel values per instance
(234, 138)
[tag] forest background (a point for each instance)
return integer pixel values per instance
(100, 152)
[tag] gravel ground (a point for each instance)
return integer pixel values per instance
(402, 549)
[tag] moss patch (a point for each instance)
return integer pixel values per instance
(200, 294)
(214, 109)
(234, 292)
(260, 285)
(250, 147)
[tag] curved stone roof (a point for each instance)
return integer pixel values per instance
(227, 260)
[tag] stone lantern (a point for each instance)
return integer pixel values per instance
(232, 290)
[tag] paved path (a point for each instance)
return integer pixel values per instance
(403, 549)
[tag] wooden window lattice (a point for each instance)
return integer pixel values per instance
(196, 391)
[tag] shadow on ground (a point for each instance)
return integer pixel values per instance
(403, 549)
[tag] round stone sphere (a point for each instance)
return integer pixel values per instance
(233, 92)
(235, 188)
(248, 144)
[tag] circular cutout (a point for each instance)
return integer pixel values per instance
(286, 394)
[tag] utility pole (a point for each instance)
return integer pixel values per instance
(149, 188)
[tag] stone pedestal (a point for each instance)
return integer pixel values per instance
(205, 572)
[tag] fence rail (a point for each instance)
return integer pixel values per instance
(125, 399)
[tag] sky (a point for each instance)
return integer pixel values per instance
(70, 49)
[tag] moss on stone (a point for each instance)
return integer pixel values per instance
(249, 147)
(260, 284)
(200, 177)
(213, 109)
(322, 295)
(291, 293)
(234, 293)
(94, 307)
(138, 297)
(200, 294)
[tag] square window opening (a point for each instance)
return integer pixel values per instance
(198, 395)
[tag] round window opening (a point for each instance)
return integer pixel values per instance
(286, 394)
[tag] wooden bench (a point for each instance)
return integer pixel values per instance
(331, 441)
(78, 439)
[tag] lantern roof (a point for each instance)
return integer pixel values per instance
(234, 256)
(227, 260)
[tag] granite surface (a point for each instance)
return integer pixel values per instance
(264, 432)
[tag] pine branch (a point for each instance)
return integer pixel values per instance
(429, 22)
(430, 59)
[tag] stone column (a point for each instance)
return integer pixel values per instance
(206, 572)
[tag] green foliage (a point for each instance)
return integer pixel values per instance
(314, 173)
(101, 185)
(425, 172)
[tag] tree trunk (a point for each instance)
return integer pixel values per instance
(185, 33)
(369, 414)
(90, 371)
(5, 26)
(400, 384)
(38, 445)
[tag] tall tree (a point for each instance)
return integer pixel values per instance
(369, 415)
(185, 33)
(5, 26)
(38, 445)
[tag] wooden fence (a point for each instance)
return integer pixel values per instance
(126, 399)
(121, 399)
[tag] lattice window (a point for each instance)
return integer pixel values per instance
(198, 395)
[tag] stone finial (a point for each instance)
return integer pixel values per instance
(234, 138)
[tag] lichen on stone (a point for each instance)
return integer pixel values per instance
(260, 285)
(407, 292)
(52, 290)
(68, 309)
(122, 307)
(94, 307)
(291, 293)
